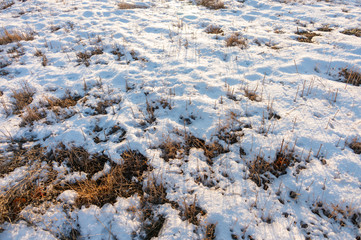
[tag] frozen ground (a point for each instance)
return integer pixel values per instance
(237, 142)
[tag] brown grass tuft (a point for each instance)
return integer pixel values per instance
(78, 159)
(211, 150)
(252, 95)
(212, 4)
(213, 29)
(6, 4)
(260, 169)
(32, 189)
(23, 96)
(355, 146)
(353, 31)
(351, 76)
(31, 115)
(325, 28)
(134, 164)
(100, 192)
(124, 5)
(169, 149)
(210, 233)
(306, 36)
(155, 193)
(191, 212)
(236, 40)
(14, 36)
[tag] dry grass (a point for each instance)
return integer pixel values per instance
(353, 31)
(260, 169)
(103, 105)
(191, 212)
(33, 189)
(212, 4)
(124, 5)
(213, 29)
(211, 150)
(78, 159)
(169, 149)
(100, 192)
(325, 28)
(351, 76)
(6, 4)
(155, 193)
(210, 233)
(83, 58)
(134, 164)
(66, 102)
(306, 36)
(14, 36)
(257, 168)
(355, 146)
(342, 213)
(252, 95)
(23, 96)
(31, 115)
(236, 40)
(152, 223)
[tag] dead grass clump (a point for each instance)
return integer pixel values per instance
(356, 146)
(134, 164)
(306, 36)
(212, 4)
(23, 96)
(18, 157)
(152, 223)
(229, 134)
(211, 150)
(78, 159)
(66, 102)
(6, 4)
(104, 190)
(343, 214)
(14, 36)
(236, 40)
(31, 190)
(117, 52)
(103, 105)
(31, 115)
(260, 169)
(210, 233)
(325, 28)
(353, 31)
(155, 193)
(44, 59)
(284, 158)
(351, 76)
(16, 51)
(213, 29)
(83, 58)
(252, 95)
(124, 5)
(169, 150)
(124, 180)
(191, 212)
(257, 168)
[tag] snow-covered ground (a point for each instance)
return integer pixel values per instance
(259, 135)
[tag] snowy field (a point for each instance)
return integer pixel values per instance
(180, 119)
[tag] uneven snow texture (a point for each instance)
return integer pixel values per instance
(168, 56)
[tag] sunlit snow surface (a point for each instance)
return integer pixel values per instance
(168, 55)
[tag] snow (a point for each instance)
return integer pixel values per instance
(167, 55)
